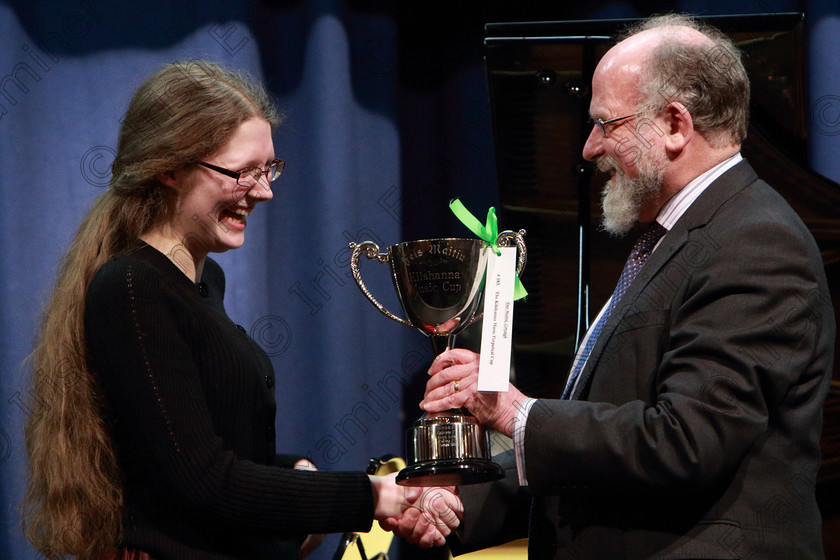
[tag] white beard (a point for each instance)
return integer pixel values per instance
(623, 197)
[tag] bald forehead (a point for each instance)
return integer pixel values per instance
(631, 52)
(622, 65)
(679, 33)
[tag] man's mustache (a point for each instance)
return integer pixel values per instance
(606, 164)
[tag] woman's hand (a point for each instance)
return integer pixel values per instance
(432, 514)
(423, 516)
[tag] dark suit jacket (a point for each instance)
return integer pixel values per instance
(694, 432)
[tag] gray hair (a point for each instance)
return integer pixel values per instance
(708, 78)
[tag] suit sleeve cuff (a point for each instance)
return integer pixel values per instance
(519, 421)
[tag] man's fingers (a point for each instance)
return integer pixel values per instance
(445, 403)
(404, 525)
(432, 537)
(454, 393)
(450, 358)
(429, 520)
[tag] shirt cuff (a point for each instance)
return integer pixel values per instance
(519, 421)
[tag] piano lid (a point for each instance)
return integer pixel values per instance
(538, 76)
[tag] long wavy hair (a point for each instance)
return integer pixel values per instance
(179, 116)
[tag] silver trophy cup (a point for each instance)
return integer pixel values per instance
(439, 283)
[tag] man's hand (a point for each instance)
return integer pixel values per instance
(454, 383)
(432, 514)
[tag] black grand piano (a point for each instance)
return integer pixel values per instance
(538, 76)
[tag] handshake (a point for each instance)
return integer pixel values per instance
(423, 516)
(426, 516)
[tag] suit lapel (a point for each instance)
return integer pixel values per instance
(669, 245)
(697, 215)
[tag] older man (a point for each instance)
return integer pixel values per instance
(690, 423)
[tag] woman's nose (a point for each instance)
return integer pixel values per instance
(261, 191)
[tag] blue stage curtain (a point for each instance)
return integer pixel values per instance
(386, 119)
(824, 86)
(70, 69)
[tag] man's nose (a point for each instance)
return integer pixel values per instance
(594, 144)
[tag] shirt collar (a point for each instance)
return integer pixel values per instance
(679, 203)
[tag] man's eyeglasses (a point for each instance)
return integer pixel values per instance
(249, 176)
(602, 124)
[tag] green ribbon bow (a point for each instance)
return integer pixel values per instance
(488, 232)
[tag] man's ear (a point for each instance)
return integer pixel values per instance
(679, 127)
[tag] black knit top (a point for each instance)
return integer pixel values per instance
(189, 401)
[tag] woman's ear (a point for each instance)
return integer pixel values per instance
(679, 127)
(169, 179)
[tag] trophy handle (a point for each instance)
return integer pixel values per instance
(371, 251)
(507, 239)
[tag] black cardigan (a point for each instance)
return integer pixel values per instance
(189, 401)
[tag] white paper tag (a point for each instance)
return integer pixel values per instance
(497, 331)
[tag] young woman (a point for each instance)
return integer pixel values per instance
(152, 434)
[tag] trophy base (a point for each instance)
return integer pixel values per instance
(448, 449)
(450, 472)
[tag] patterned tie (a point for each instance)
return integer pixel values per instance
(641, 250)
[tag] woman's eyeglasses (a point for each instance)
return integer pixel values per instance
(249, 176)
